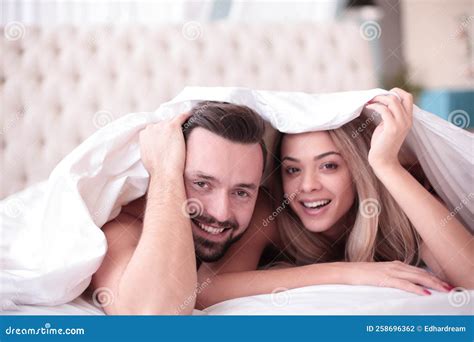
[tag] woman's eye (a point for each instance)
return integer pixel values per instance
(291, 170)
(329, 166)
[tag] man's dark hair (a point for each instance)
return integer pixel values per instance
(236, 123)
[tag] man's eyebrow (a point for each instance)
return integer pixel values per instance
(319, 156)
(250, 186)
(205, 176)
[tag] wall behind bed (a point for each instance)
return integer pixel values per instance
(59, 84)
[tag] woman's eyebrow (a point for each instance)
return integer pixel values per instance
(290, 159)
(322, 155)
(319, 156)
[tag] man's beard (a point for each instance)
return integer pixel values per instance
(210, 251)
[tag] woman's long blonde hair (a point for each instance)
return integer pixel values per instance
(378, 228)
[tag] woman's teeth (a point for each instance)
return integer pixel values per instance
(316, 204)
(210, 230)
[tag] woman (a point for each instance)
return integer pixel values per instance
(347, 212)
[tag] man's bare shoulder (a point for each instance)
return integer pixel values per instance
(127, 226)
(136, 208)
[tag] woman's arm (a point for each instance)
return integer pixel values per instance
(447, 243)
(236, 276)
(249, 283)
(394, 274)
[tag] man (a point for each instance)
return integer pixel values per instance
(151, 261)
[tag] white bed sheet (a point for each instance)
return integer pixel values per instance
(310, 300)
(348, 300)
(79, 306)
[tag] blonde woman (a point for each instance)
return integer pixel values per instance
(345, 211)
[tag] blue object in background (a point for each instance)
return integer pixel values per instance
(455, 106)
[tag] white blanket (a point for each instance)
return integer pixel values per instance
(51, 237)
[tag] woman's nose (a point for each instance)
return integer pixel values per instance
(310, 182)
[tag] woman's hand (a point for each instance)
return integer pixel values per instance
(394, 274)
(162, 146)
(388, 137)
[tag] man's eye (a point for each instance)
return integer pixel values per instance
(329, 166)
(291, 170)
(242, 193)
(201, 184)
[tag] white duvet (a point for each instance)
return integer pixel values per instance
(51, 241)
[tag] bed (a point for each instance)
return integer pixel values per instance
(61, 84)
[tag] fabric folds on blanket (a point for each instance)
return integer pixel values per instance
(52, 246)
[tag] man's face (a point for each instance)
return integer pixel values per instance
(221, 180)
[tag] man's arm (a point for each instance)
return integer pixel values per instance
(158, 276)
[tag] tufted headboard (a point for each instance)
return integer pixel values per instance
(58, 85)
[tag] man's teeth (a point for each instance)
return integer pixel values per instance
(316, 204)
(210, 229)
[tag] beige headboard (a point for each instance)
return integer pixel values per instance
(58, 85)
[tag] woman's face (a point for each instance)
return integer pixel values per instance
(316, 180)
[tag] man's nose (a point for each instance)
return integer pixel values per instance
(219, 207)
(310, 182)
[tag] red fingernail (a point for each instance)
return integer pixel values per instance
(371, 101)
(448, 287)
(426, 291)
